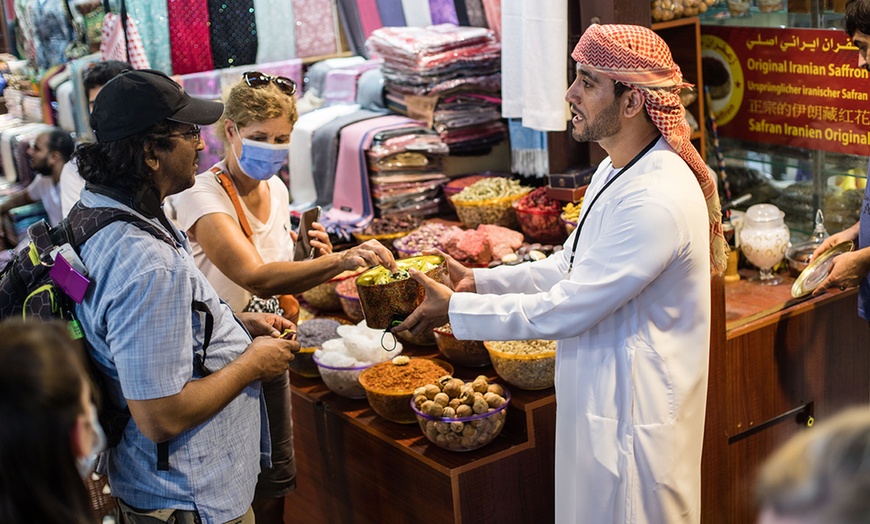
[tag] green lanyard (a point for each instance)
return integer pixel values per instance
(595, 199)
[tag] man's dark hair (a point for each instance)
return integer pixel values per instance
(857, 17)
(62, 142)
(619, 88)
(102, 72)
(120, 164)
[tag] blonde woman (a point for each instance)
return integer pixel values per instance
(243, 243)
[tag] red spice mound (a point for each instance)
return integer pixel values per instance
(390, 377)
(469, 246)
(502, 235)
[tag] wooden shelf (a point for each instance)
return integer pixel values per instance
(683, 36)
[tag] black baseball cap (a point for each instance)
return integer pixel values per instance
(135, 100)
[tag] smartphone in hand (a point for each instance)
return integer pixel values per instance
(303, 243)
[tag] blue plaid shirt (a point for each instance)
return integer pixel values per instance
(137, 315)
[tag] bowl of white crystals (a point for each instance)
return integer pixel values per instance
(341, 360)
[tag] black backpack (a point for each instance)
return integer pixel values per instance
(27, 289)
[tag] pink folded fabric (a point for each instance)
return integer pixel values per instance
(369, 16)
(189, 36)
(352, 199)
(315, 28)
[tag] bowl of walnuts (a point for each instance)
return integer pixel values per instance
(458, 415)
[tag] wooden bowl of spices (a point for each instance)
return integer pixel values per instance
(386, 296)
(390, 385)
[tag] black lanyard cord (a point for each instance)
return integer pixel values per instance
(633, 161)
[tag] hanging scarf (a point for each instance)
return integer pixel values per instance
(640, 59)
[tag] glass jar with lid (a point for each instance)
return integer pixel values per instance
(764, 239)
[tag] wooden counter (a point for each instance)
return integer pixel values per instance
(776, 365)
(775, 362)
(354, 466)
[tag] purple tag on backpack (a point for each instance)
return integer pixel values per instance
(73, 283)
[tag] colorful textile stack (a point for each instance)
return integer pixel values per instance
(448, 76)
(406, 171)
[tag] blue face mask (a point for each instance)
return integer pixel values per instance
(260, 160)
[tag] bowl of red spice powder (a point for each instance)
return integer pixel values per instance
(390, 385)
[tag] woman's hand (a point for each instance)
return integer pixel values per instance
(265, 324)
(319, 240)
(369, 253)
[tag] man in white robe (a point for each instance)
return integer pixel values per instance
(628, 298)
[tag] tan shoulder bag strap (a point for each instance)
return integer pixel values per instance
(228, 186)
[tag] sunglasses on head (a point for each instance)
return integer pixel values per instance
(257, 79)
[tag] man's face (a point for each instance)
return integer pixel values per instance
(92, 95)
(40, 157)
(177, 168)
(595, 107)
(862, 42)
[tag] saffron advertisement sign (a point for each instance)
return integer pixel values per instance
(794, 87)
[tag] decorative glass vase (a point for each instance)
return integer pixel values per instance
(764, 240)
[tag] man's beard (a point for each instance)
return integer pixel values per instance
(605, 125)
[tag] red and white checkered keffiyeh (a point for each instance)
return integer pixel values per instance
(637, 57)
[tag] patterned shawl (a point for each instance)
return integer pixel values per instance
(640, 59)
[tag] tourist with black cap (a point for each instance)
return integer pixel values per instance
(187, 369)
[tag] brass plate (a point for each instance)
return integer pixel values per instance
(816, 272)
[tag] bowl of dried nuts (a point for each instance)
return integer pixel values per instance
(390, 385)
(470, 353)
(458, 415)
(526, 364)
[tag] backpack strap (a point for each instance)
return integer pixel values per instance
(83, 222)
(230, 188)
(79, 226)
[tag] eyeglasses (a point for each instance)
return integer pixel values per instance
(256, 79)
(195, 133)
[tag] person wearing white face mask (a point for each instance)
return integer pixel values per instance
(49, 433)
(237, 217)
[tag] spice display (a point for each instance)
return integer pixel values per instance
(488, 201)
(458, 184)
(471, 353)
(385, 295)
(387, 229)
(349, 297)
(538, 215)
(571, 211)
(526, 364)
(341, 360)
(389, 387)
(427, 236)
(311, 334)
(392, 224)
(527, 252)
(458, 415)
(323, 297)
